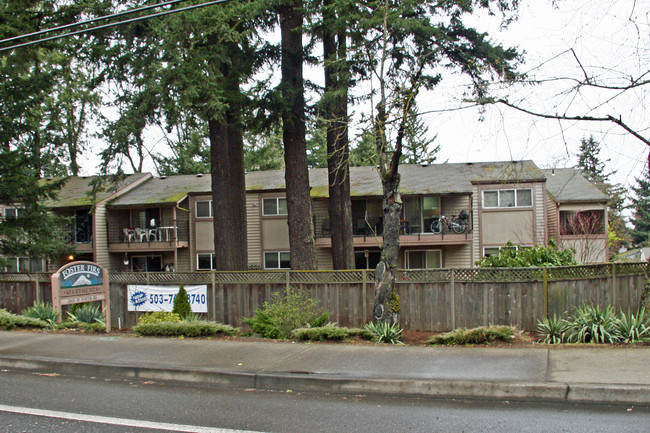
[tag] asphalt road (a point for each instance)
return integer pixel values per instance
(75, 405)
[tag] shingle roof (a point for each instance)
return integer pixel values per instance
(164, 190)
(76, 190)
(569, 184)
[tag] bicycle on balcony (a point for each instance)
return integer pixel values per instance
(458, 224)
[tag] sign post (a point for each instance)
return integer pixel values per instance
(79, 282)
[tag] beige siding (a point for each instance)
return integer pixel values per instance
(587, 250)
(552, 212)
(184, 263)
(457, 257)
(320, 209)
(253, 220)
(452, 205)
(476, 225)
(324, 258)
(539, 204)
(204, 235)
(500, 227)
(100, 236)
(275, 234)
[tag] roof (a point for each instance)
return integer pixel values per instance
(76, 191)
(569, 184)
(164, 190)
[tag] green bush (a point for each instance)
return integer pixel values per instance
(88, 313)
(182, 305)
(634, 328)
(552, 330)
(384, 332)
(158, 317)
(481, 335)
(11, 321)
(330, 331)
(287, 310)
(185, 329)
(590, 324)
(509, 256)
(42, 311)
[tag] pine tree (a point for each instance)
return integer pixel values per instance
(589, 161)
(181, 303)
(641, 206)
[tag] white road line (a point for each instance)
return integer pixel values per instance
(118, 421)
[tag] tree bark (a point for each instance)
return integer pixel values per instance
(301, 237)
(336, 116)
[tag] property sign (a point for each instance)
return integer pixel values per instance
(79, 282)
(161, 298)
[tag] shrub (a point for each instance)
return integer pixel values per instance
(88, 313)
(509, 256)
(43, 311)
(287, 310)
(193, 317)
(590, 324)
(384, 332)
(182, 305)
(185, 329)
(634, 328)
(330, 331)
(552, 330)
(481, 335)
(11, 321)
(158, 317)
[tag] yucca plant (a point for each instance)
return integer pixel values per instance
(88, 313)
(385, 332)
(42, 311)
(590, 324)
(552, 330)
(634, 328)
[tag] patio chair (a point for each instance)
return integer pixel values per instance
(129, 234)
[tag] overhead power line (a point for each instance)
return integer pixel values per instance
(117, 23)
(94, 20)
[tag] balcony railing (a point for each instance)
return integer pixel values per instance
(167, 231)
(449, 223)
(76, 235)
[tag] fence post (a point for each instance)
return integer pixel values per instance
(452, 280)
(39, 295)
(287, 282)
(364, 295)
(214, 296)
(545, 285)
(614, 285)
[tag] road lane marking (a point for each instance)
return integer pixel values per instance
(118, 421)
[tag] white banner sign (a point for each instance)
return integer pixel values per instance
(161, 298)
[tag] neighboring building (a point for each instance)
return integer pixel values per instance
(157, 224)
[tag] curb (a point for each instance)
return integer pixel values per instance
(484, 390)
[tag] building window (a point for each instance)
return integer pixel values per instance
(14, 212)
(23, 264)
(428, 259)
(146, 263)
(205, 261)
(588, 222)
(204, 209)
(504, 198)
(419, 213)
(274, 206)
(277, 260)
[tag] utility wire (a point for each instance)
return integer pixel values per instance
(94, 20)
(117, 23)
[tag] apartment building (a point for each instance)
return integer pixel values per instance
(453, 214)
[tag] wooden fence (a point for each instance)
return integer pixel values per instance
(433, 300)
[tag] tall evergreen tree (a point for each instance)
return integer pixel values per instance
(641, 210)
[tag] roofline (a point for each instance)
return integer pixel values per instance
(499, 181)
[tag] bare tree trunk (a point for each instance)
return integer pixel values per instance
(336, 116)
(301, 234)
(228, 178)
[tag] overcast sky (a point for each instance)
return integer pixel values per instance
(612, 41)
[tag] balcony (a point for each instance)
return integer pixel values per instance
(81, 238)
(168, 235)
(449, 228)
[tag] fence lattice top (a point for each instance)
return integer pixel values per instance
(360, 276)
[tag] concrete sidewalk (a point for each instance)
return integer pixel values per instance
(563, 374)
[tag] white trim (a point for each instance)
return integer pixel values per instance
(196, 208)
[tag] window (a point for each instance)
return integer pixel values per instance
(428, 259)
(204, 209)
(14, 212)
(23, 264)
(490, 251)
(274, 206)
(588, 222)
(146, 264)
(508, 198)
(419, 212)
(205, 262)
(277, 260)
